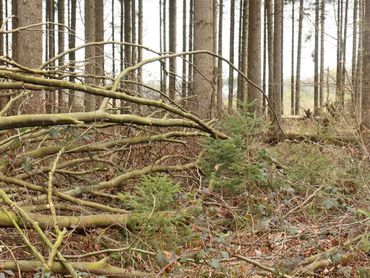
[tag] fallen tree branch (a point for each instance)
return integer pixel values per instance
(101, 267)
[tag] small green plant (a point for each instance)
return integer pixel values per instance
(238, 161)
(153, 204)
(154, 193)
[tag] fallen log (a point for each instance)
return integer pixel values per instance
(101, 267)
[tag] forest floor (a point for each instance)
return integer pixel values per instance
(301, 209)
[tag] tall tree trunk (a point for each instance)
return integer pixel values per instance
(172, 36)
(366, 67)
(140, 42)
(299, 53)
(239, 89)
(276, 100)
(322, 52)
(73, 103)
(354, 50)
(231, 55)
(358, 88)
(344, 56)
(90, 26)
(339, 88)
(184, 40)
(270, 46)
(316, 59)
(254, 56)
(190, 48)
(113, 38)
(1, 35)
(214, 50)
(281, 64)
(203, 39)
(219, 49)
(134, 41)
(99, 49)
(264, 73)
(292, 96)
(164, 36)
(61, 21)
(50, 95)
(26, 42)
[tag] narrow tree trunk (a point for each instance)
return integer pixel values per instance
(366, 67)
(316, 59)
(214, 50)
(99, 49)
(276, 100)
(292, 96)
(164, 62)
(219, 66)
(190, 48)
(184, 38)
(72, 101)
(50, 95)
(359, 74)
(61, 21)
(239, 90)
(172, 24)
(254, 56)
(90, 26)
(122, 32)
(113, 38)
(270, 46)
(231, 55)
(344, 56)
(264, 74)
(322, 53)
(140, 42)
(339, 89)
(354, 51)
(299, 53)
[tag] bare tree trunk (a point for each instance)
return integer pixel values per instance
(214, 50)
(231, 55)
(184, 38)
(203, 39)
(299, 53)
(72, 101)
(254, 56)
(276, 100)
(172, 47)
(366, 67)
(344, 71)
(140, 42)
(99, 49)
(1, 35)
(113, 38)
(292, 96)
(219, 66)
(26, 42)
(61, 21)
(133, 40)
(190, 48)
(164, 62)
(339, 89)
(239, 89)
(354, 50)
(264, 74)
(358, 88)
(316, 59)
(90, 26)
(50, 95)
(270, 46)
(322, 53)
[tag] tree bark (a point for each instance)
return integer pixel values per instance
(278, 46)
(316, 59)
(231, 55)
(366, 67)
(299, 53)
(322, 53)
(26, 42)
(90, 33)
(292, 96)
(254, 56)
(172, 47)
(203, 40)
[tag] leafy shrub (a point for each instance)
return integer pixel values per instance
(239, 160)
(154, 193)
